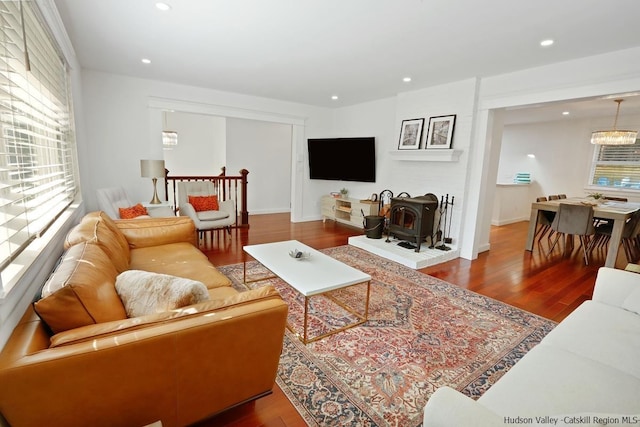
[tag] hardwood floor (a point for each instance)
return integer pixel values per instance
(550, 287)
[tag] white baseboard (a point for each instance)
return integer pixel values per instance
(309, 218)
(484, 248)
(269, 211)
(499, 222)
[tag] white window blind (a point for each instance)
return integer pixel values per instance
(617, 166)
(37, 150)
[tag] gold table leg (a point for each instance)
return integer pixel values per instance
(246, 282)
(362, 317)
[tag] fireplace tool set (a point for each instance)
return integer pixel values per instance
(447, 215)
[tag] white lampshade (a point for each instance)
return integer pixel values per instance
(152, 168)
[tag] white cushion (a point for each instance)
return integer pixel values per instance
(110, 199)
(551, 380)
(123, 203)
(160, 212)
(613, 286)
(145, 293)
(198, 194)
(603, 333)
(212, 215)
(632, 302)
(448, 407)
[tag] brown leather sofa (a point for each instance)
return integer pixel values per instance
(90, 365)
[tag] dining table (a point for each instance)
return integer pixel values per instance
(618, 212)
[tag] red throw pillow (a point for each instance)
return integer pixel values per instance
(204, 203)
(133, 211)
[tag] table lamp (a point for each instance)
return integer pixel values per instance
(153, 169)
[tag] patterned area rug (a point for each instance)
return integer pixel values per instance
(422, 333)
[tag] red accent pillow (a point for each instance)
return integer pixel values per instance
(204, 203)
(133, 211)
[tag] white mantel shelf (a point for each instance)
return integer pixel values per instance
(426, 155)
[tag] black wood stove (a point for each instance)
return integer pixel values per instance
(411, 219)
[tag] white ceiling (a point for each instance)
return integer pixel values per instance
(577, 109)
(308, 50)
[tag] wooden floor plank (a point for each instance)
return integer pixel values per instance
(549, 286)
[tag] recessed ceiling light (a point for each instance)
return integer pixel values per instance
(406, 79)
(547, 42)
(531, 156)
(565, 113)
(146, 61)
(334, 97)
(163, 6)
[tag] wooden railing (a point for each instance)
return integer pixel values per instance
(227, 187)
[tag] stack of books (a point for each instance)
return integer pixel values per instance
(522, 178)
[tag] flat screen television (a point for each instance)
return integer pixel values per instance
(342, 159)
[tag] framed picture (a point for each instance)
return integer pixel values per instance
(411, 134)
(440, 131)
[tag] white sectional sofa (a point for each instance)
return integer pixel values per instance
(585, 372)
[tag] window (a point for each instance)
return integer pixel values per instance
(37, 149)
(617, 166)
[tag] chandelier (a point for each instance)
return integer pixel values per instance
(169, 137)
(615, 136)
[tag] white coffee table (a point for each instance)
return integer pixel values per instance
(313, 276)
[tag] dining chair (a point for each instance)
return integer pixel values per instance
(630, 236)
(545, 218)
(629, 240)
(603, 221)
(574, 220)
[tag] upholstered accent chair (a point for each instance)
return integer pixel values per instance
(111, 199)
(209, 219)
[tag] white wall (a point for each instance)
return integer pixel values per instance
(563, 154)
(439, 178)
(376, 119)
(206, 143)
(264, 149)
(201, 148)
(383, 120)
(123, 116)
(581, 78)
(511, 203)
